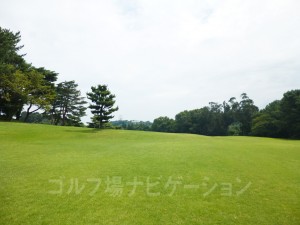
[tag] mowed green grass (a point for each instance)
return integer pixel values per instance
(181, 178)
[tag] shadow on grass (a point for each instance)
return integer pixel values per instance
(85, 131)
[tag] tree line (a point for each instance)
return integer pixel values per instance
(280, 118)
(29, 93)
(132, 125)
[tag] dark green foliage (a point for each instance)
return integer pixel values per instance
(205, 121)
(35, 117)
(132, 125)
(39, 92)
(49, 76)
(246, 111)
(20, 88)
(9, 48)
(164, 124)
(232, 118)
(102, 105)
(11, 98)
(234, 129)
(267, 123)
(290, 109)
(280, 118)
(217, 123)
(183, 122)
(68, 106)
(200, 119)
(238, 115)
(20, 83)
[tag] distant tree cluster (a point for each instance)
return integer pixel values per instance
(33, 89)
(229, 118)
(132, 125)
(280, 118)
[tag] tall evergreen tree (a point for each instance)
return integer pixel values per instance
(247, 110)
(68, 106)
(11, 62)
(103, 105)
(20, 83)
(9, 48)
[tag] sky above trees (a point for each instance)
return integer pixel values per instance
(162, 57)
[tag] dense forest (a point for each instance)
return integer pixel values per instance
(31, 94)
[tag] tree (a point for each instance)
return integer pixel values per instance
(183, 122)
(11, 63)
(290, 109)
(280, 118)
(217, 124)
(247, 110)
(49, 76)
(35, 117)
(200, 121)
(132, 125)
(164, 124)
(9, 48)
(68, 106)
(227, 116)
(267, 123)
(39, 93)
(12, 96)
(103, 105)
(20, 83)
(219, 119)
(234, 129)
(238, 116)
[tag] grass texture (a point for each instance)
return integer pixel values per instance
(66, 175)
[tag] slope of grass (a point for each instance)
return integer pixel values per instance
(179, 178)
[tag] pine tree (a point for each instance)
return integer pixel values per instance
(11, 62)
(68, 107)
(102, 107)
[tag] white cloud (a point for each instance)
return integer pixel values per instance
(161, 57)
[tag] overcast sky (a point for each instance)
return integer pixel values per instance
(161, 57)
